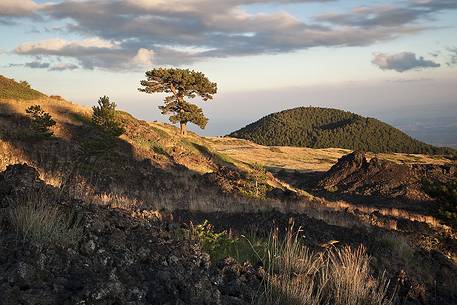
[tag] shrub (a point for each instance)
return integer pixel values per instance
(446, 194)
(221, 245)
(104, 117)
(44, 223)
(25, 84)
(40, 121)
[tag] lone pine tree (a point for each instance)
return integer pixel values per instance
(104, 117)
(181, 84)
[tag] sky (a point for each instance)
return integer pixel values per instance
(393, 60)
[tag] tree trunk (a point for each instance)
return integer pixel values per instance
(183, 128)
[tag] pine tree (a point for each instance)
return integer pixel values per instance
(104, 117)
(181, 84)
(40, 121)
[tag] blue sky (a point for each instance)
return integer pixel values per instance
(378, 58)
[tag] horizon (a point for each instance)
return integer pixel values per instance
(394, 61)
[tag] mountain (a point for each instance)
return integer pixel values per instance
(317, 127)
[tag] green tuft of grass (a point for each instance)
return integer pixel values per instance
(45, 223)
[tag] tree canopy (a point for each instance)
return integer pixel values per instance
(181, 84)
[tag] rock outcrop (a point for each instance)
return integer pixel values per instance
(353, 174)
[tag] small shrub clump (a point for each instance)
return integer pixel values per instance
(220, 245)
(40, 122)
(104, 117)
(446, 194)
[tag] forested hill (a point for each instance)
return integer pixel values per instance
(325, 127)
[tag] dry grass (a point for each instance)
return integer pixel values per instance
(302, 158)
(297, 276)
(62, 111)
(44, 223)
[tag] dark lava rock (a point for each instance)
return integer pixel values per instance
(345, 167)
(119, 259)
(353, 174)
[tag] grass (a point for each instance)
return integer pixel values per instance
(295, 275)
(43, 222)
(298, 276)
(302, 158)
(11, 89)
(399, 246)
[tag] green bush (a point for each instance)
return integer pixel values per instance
(40, 122)
(221, 245)
(446, 194)
(104, 117)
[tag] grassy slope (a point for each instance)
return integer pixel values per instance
(10, 89)
(172, 160)
(302, 158)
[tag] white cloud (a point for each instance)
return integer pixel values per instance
(17, 7)
(56, 45)
(144, 57)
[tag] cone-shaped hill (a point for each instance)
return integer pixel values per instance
(325, 127)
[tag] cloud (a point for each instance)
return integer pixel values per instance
(388, 15)
(15, 8)
(37, 65)
(62, 46)
(135, 33)
(401, 62)
(452, 56)
(89, 53)
(63, 67)
(144, 57)
(11, 10)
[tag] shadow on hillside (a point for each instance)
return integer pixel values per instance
(218, 158)
(97, 168)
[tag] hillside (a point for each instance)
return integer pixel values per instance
(10, 89)
(316, 127)
(124, 220)
(148, 156)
